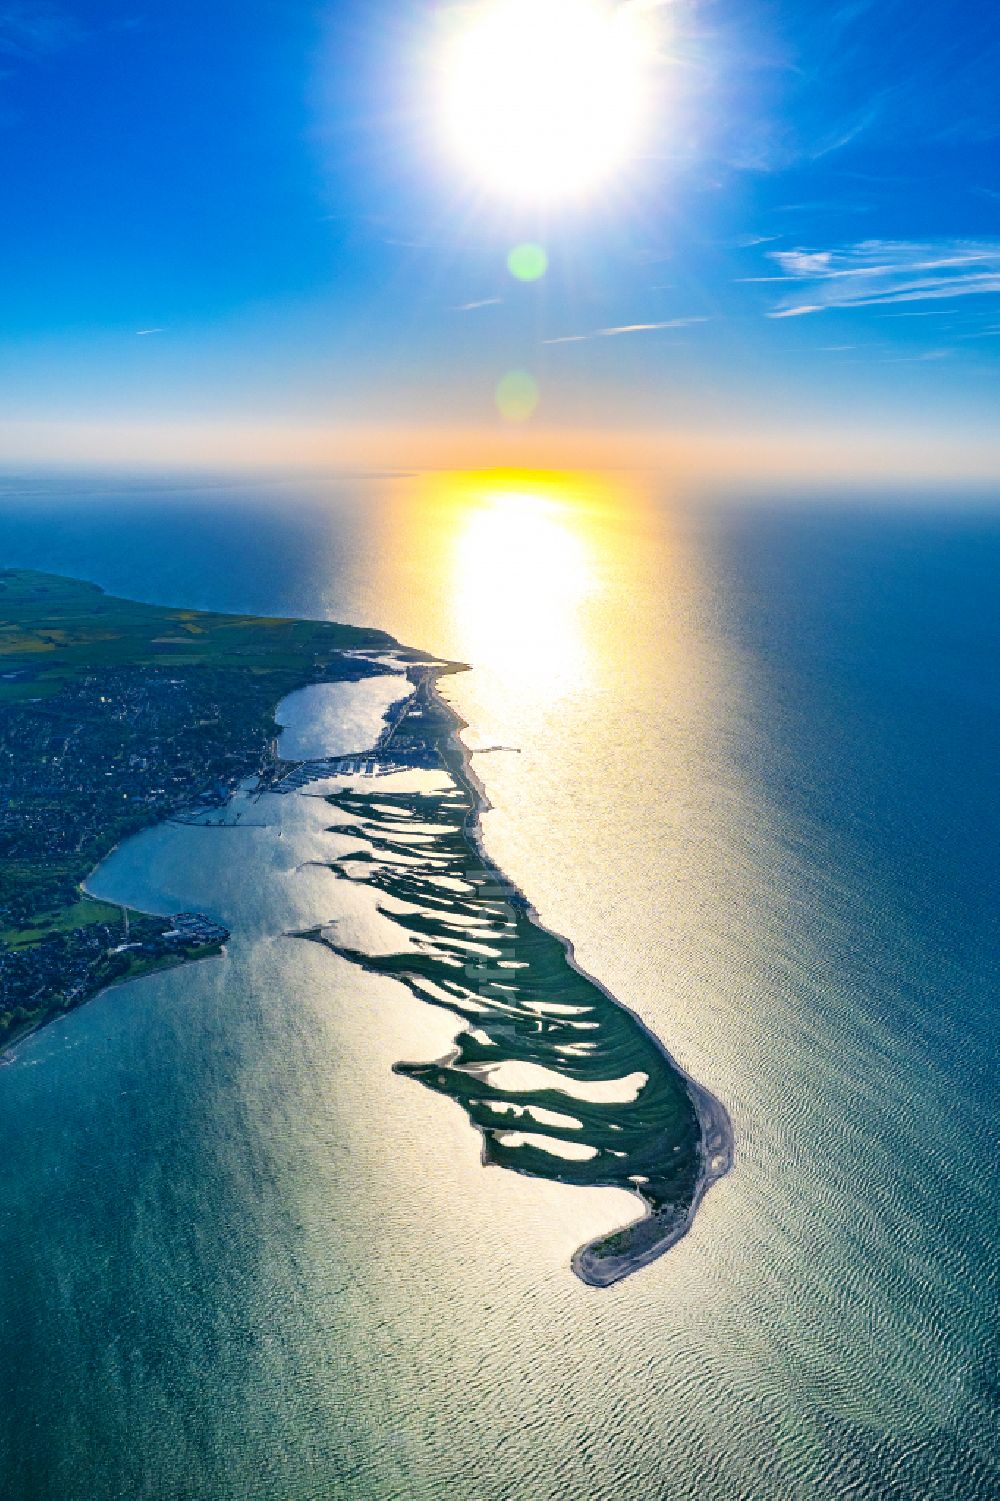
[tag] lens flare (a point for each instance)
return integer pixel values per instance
(517, 396)
(527, 262)
(544, 98)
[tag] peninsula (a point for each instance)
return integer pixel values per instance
(115, 715)
(561, 1080)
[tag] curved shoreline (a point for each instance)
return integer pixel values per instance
(718, 1140)
(614, 1255)
(8, 1056)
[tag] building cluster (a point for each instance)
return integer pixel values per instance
(63, 968)
(83, 768)
(193, 929)
(107, 755)
(373, 763)
(56, 970)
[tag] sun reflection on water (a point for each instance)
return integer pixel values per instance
(524, 563)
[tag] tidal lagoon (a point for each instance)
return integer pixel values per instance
(754, 782)
(561, 1080)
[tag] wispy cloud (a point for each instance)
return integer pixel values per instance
(875, 273)
(624, 328)
(140, 333)
(824, 206)
(750, 242)
(470, 307)
(918, 359)
(846, 131)
(412, 244)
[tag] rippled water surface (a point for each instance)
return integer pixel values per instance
(755, 783)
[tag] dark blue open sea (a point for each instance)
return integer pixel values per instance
(757, 787)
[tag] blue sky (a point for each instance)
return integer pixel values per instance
(237, 216)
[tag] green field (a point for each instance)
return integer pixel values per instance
(54, 628)
(63, 920)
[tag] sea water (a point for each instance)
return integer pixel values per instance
(752, 776)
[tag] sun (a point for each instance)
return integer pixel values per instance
(544, 99)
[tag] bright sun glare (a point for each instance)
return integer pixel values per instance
(545, 98)
(524, 567)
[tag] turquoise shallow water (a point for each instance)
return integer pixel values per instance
(757, 787)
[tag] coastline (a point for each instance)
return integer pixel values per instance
(718, 1143)
(8, 1056)
(608, 1258)
(11, 1044)
(8, 1052)
(611, 1257)
(116, 714)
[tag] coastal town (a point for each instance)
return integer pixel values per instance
(114, 716)
(107, 755)
(62, 969)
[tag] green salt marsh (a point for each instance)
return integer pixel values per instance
(561, 1080)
